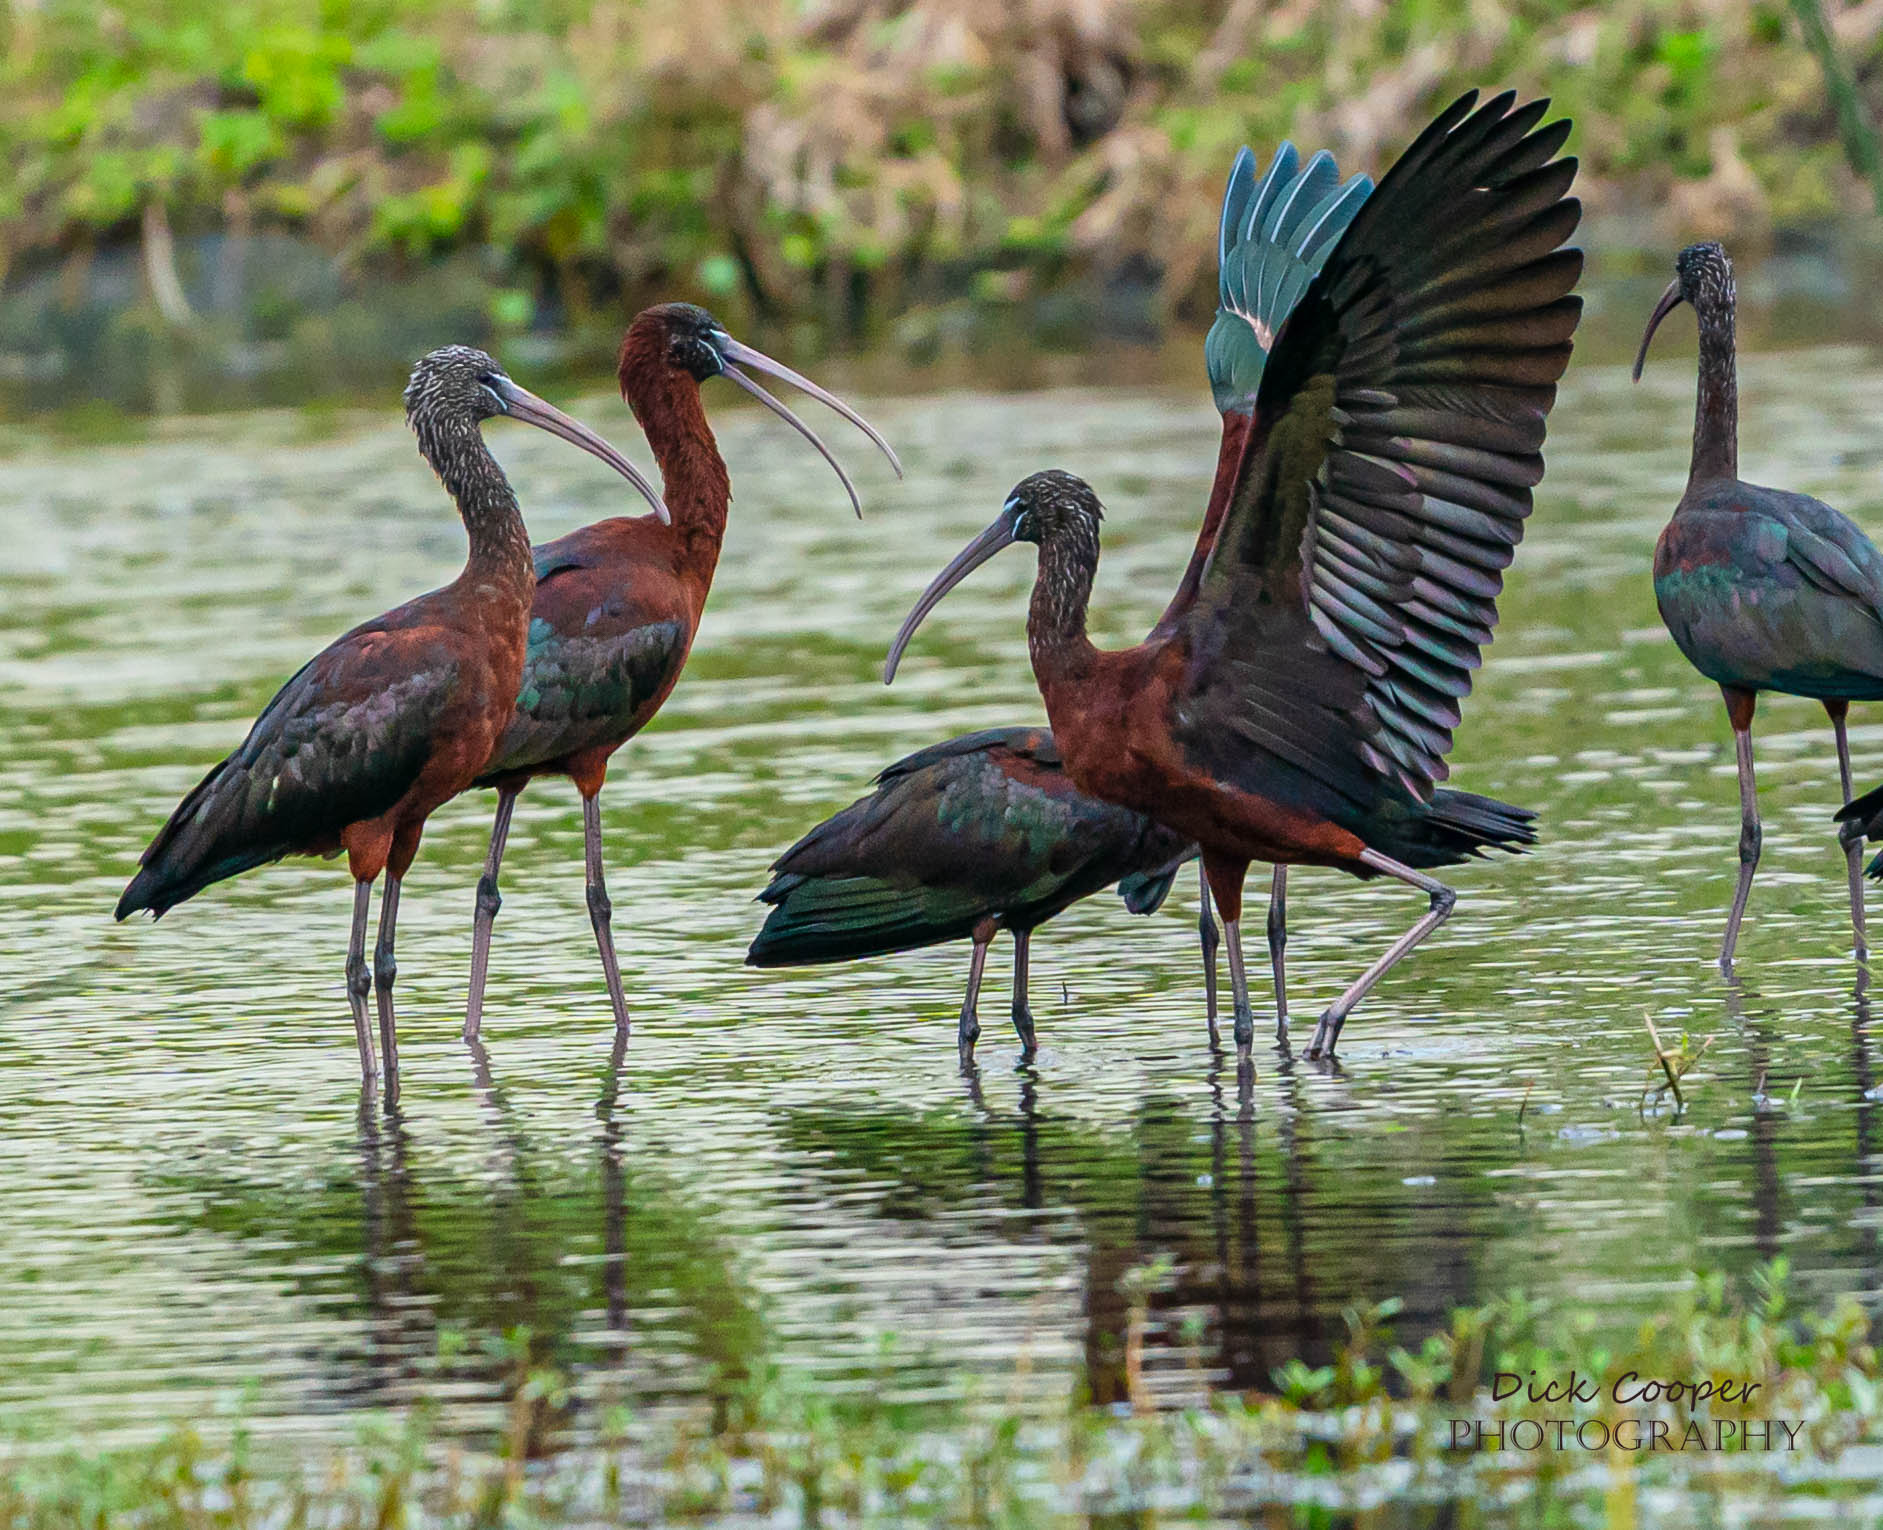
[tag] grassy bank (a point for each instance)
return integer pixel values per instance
(1374, 1429)
(848, 161)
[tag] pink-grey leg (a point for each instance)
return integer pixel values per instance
(1022, 1015)
(1751, 837)
(968, 1031)
(1209, 939)
(1238, 988)
(360, 982)
(1853, 842)
(1442, 899)
(489, 900)
(385, 974)
(1277, 945)
(601, 911)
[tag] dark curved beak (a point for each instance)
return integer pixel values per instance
(734, 355)
(521, 404)
(1670, 300)
(971, 557)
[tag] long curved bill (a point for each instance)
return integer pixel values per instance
(1670, 300)
(521, 404)
(971, 557)
(736, 354)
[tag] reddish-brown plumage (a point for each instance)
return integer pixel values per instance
(1111, 714)
(1296, 702)
(1119, 748)
(394, 718)
(1238, 433)
(618, 603)
(479, 620)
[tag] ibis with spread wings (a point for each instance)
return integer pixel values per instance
(1298, 709)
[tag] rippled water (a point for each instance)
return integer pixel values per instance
(790, 1165)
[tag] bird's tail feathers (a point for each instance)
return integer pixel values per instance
(193, 850)
(1456, 826)
(838, 919)
(1864, 809)
(1862, 814)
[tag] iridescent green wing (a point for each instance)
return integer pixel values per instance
(1356, 575)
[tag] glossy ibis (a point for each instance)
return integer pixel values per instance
(394, 718)
(1762, 589)
(960, 840)
(618, 603)
(1300, 709)
(851, 886)
(1274, 236)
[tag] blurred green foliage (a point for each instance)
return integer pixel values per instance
(848, 157)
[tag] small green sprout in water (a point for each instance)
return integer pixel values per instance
(1676, 1064)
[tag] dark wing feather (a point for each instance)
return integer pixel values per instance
(610, 629)
(1356, 576)
(968, 830)
(1829, 548)
(1035, 743)
(342, 741)
(584, 690)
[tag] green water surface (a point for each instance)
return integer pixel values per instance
(790, 1166)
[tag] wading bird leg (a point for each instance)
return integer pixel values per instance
(969, 1030)
(600, 910)
(1442, 901)
(1239, 987)
(489, 900)
(1277, 945)
(385, 973)
(1226, 879)
(1209, 938)
(1022, 1016)
(1850, 834)
(360, 982)
(1739, 705)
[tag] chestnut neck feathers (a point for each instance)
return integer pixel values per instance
(665, 399)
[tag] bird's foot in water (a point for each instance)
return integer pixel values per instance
(968, 1032)
(1245, 1027)
(1023, 1028)
(1325, 1035)
(1281, 1030)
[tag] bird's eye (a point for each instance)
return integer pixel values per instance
(488, 382)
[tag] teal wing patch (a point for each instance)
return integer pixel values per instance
(581, 692)
(1276, 233)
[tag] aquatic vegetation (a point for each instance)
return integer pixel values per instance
(1381, 1422)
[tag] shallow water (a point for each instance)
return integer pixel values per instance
(790, 1165)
